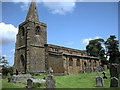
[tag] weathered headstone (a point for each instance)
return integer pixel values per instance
(100, 69)
(104, 75)
(29, 83)
(99, 81)
(20, 78)
(114, 82)
(89, 69)
(114, 71)
(49, 71)
(105, 67)
(50, 82)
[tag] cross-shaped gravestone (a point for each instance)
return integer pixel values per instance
(104, 75)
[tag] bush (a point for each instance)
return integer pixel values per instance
(35, 85)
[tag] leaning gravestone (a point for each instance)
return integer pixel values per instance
(114, 82)
(99, 81)
(29, 83)
(50, 82)
(20, 78)
(105, 67)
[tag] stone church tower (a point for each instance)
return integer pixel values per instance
(30, 41)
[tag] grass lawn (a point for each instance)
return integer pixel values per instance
(0, 82)
(5, 84)
(69, 81)
(79, 81)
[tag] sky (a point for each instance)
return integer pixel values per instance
(69, 24)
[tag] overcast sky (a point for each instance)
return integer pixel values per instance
(69, 24)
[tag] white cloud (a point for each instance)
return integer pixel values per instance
(70, 43)
(57, 6)
(8, 33)
(86, 41)
(5, 56)
(60, 7)
(61, 0)
(12, 50)
(24, 6)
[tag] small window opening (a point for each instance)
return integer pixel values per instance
(78, 62)
(23, 31)
(70, 62)
(37, 31)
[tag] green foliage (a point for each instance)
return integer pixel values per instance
(112, 49)
(5, 71)
(36, 85)
(3, 61)
(95, 48)
(10, 70)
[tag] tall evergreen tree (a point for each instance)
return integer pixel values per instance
(95, 48)
(112, 49)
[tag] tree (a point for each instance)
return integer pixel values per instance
(3, 61)
(95, 48)
(4, 65)
(112, 49)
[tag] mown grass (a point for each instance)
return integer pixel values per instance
(0, 82)
(80, 81)
(5, 84)
(69, 81)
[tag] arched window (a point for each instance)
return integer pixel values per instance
(22, 60)
(70, 62)
(23, 31)
(95, 63)
(85, 63)
(90, 62)
(78, 62)
(37, 31)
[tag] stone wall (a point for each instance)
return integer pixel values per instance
(56, 63)
(79, 65)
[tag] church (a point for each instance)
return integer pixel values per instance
(34, 55)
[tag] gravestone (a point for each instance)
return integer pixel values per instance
(50, 82)
(105, 67)
(100, 69)
(104, 75)
(49, 71)
(89, 69)
(114, 82)
(29, 83)
(114, 71)
(20, 78)
(99, 81)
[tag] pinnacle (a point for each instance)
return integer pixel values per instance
(32, 13)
